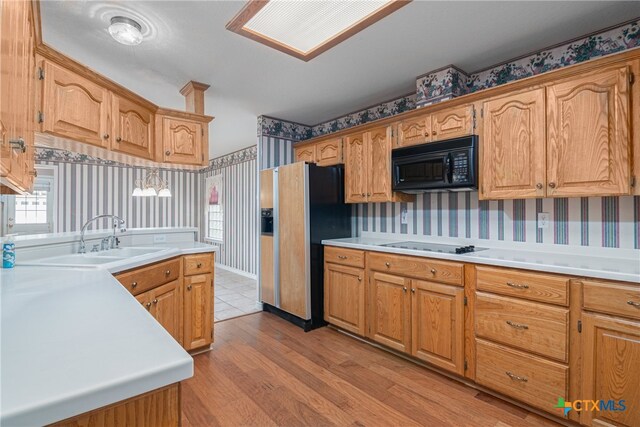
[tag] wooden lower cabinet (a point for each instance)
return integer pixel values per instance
(344, 297)
(437, 324)
(611, 370)
(165, 305)
(157, 408)
(198, 300)
(389, 320)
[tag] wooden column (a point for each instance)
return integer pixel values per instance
(194, 96)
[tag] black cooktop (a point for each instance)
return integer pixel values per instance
(434, 247)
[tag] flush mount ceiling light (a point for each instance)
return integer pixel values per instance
(125, 30)
(305, 29)
(151, 185)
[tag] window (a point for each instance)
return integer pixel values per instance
(32, 213)
(214, 209)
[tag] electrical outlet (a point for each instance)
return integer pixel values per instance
(160, 238)
(543, 220)
(403, 217)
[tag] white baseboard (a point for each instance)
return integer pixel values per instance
(236, 271)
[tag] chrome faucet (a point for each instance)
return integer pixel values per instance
(112, 239)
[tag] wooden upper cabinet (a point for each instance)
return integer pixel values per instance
(329, 153)
(513, 147)
(610, 371)
(132, 128)
(182, 141)
(389, 320)
(198, 314)
(414, 131)
(355, 173)
(305, 154)
(74, 107)
(588, 151)
(452, 123)
(438, 324)
(379, 171)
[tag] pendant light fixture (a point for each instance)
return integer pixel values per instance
(125, 30)
(151, 185)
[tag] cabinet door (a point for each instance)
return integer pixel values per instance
(344, 303)
(588, 135)
(305, 154)
(167, 308)
(145, 299)
(182, 141)
(437, 313)
(198, 311)
(329, 153)
(379, 171)
(452, 123)
(133, 128)
(389, 317)
(74, 107)
(611, 370)
(355, 170)
(513, 145)
(414, 131)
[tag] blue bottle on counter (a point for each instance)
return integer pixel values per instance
(8, 252)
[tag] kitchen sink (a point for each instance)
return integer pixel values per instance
(78, 259)
(125, 252)
(103, 258)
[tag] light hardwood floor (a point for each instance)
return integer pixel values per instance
(263, 371)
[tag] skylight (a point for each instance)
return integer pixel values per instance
(306, 28)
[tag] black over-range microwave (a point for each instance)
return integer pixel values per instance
(450, 165)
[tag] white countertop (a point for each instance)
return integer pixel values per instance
(601, 267)
(74, 339)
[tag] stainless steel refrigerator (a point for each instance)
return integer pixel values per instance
(300, 205)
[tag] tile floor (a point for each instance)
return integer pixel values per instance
(235, 295)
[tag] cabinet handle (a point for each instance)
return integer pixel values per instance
(368, 194)
(168, 272)
(134, 285)
(404, 289)
(34, 173)
(155, 301)
(426, 134)
(359, 279)
(635, 304)
(363, 195)
(18, 144)
(516, 377)
(434, 133)
(539, 186)
(199, 265)
(552, 185)
(189, 287)
(118, 139)
(413, 290)
(167, 153)
(387, 264)
(517, 325)
(342, 257)
(105, 136)
(515, 285)
(433, 271)
(148, 305)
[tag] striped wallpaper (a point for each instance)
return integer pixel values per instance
(239, 249)
(83, 190)
(612, 222)
(275, 152)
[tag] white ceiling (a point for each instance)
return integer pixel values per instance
(187, 40)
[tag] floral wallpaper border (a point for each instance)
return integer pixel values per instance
(240, 156)
(449, 82)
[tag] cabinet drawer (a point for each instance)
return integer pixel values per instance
(529, 326)
(344, 256)
(198, 264)
(524, 284)
(421, 268)
(612, 298)
(531, 379)
(143, 279)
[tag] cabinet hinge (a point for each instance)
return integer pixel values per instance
(202, 132)
(631, 78)
(40, 73)
(474, 118)
(40, 117)
(580, 326)
(466, 365)
(482, 112)
(465, 300)
(632, 181)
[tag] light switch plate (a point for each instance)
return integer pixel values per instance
(160, 238)
(543, 220)
(403, 217)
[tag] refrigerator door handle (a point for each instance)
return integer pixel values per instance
(276, 240)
